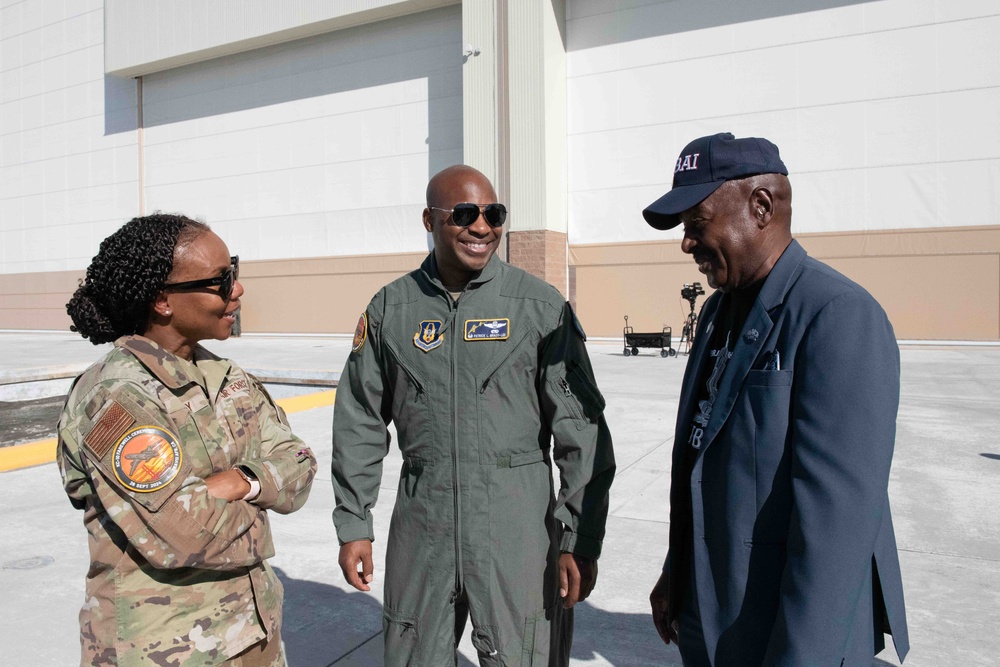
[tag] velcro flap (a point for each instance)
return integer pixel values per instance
(111, 426)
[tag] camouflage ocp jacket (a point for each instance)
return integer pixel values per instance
(176, 577)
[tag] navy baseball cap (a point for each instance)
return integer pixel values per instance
(704, 165)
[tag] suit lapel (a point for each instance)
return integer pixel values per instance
(748, 346)
(754, 335)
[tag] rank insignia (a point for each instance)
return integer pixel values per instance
(146, 459)
(360, 333)
(490, 329)
(429, 336)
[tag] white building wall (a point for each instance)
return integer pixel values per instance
(318, 147)
(68, 161)
(887, 113)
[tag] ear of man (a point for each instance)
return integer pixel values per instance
(761, 203)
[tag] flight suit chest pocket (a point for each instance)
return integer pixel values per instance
(408, 389)
(507, 403)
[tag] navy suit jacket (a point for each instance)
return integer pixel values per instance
(793, 548)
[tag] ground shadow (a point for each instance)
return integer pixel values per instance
(622, 639)
(324, 625)
(627, 640)
(987, 455)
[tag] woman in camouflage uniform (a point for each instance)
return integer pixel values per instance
(175, 456)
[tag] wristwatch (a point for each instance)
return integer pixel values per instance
(247, 473)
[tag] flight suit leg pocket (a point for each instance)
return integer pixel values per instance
(402, 639)
(547, 638)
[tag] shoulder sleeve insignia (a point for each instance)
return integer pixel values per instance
(111, 426)
(146, 458)
(360, 333)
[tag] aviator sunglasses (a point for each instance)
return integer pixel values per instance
(225, 282)
(466, 213)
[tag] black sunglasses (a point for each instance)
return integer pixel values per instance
(225, 282)
(465, 214)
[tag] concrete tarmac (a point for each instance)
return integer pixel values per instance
(944, 492)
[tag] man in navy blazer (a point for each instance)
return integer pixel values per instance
(782, 549)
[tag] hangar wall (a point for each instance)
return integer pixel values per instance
(886, 114)
(308, 148)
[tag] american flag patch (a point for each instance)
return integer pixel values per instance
(111, 426)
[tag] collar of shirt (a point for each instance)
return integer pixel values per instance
(206, 370)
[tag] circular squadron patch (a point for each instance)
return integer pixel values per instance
(146, 459)
(360, 333)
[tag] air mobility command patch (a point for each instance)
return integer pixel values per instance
(146, 459)
(360, 333)
(429, 336)
(489, 329)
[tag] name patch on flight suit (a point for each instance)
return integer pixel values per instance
(429, 336)
(489, 329)
(146, 459)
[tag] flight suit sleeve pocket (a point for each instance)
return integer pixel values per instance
(580, 396)
(586, 390)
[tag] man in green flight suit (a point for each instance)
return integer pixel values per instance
(481, 367)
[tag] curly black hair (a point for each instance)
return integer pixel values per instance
(127, 273)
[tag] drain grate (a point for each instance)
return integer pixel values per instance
(32, 563)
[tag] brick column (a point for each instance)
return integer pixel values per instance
(542, 253)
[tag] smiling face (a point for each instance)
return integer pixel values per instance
(461, 252)
(182, 318)
(725, 239)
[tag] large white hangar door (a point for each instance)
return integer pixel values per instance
(315, 148)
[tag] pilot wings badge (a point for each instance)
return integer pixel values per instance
(429, 336)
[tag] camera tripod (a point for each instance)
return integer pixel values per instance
(687, 333)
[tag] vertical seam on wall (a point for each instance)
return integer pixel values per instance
(503, 118)
(141, 146)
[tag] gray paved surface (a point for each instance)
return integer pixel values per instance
(944, 490)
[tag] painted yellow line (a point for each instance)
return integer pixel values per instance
(31, 454)
(321, 399)
(44, 451)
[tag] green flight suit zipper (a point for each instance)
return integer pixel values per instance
(456, 467)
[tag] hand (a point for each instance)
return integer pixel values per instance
(351, 555)
(658, 600)
(228, 485)
(577, 576)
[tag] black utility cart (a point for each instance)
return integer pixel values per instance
(660, 339)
